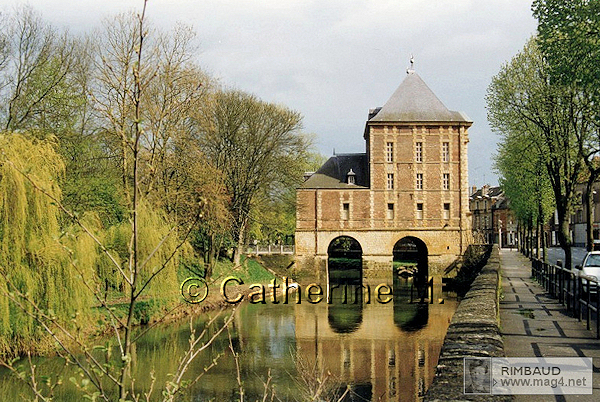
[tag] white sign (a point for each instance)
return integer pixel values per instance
(528, 375)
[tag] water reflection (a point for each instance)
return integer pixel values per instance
(345, 310)
(356, 392)
(390, 349)
(410, 313)
(381, 351)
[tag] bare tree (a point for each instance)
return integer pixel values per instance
(257, 145)
(37, 61)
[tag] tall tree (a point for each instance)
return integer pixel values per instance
(144, 261)
(569, 38)
(35, 85)
(525, 182)
(257, 145)
(523, 102)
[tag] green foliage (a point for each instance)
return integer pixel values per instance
(345, 264)
(90, 183)
(257, 145)
(250, 271)
(31, 256)
(153, 229)
(45, 262)
(569, 37)
(523, 178)
(531, 111)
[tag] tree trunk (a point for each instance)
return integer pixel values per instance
(530, 238)
(237, 252)
(589, 206)
(544, 243)
(564, 237)
(537, 240)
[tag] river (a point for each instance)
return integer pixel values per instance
(384, 352)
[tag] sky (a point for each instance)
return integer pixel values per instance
(333, 60)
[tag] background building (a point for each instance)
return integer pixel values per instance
(493, 220)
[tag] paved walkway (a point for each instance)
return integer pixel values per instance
(533, 324)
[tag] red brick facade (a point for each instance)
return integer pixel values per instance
(415, 184)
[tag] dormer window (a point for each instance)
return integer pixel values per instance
(351, 177)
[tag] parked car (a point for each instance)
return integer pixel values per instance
(590, 267)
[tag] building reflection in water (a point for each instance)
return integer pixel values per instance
(385, 352)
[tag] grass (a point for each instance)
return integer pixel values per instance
(250, 271)
(151, 308)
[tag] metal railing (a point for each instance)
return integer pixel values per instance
(270, 249)
(578, 293)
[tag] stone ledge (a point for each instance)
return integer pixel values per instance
(473, 332)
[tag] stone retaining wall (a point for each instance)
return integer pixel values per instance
(473, 331)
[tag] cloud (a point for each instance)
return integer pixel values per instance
(332, 60)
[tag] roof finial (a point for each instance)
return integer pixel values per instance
(411, 69)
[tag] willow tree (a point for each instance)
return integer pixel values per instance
(138, 256)
(31, 257)
(257, 145)
(525, 104)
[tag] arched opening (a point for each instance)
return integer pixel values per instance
(410, 258)
(410, 265)
(344, 261)
(344, 269)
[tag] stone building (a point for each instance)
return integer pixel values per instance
(405, 198)
(482, 202)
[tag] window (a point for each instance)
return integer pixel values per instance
(390, 211)
(389, 152)
(419, 184)
(345, 211)
(446, 181)
(419, 210)
(446, 210)
(390, 181)
(419, 152)
(445, 152)
(351, 177)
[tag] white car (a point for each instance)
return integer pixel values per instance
(590, 267)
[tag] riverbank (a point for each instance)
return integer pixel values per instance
(473, 332)
(152, 311)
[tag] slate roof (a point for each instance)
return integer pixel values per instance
(490, 192)
(413, 101)
(502, 203)
(333, 173)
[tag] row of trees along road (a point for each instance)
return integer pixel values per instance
(122, 163)
(544, 104)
